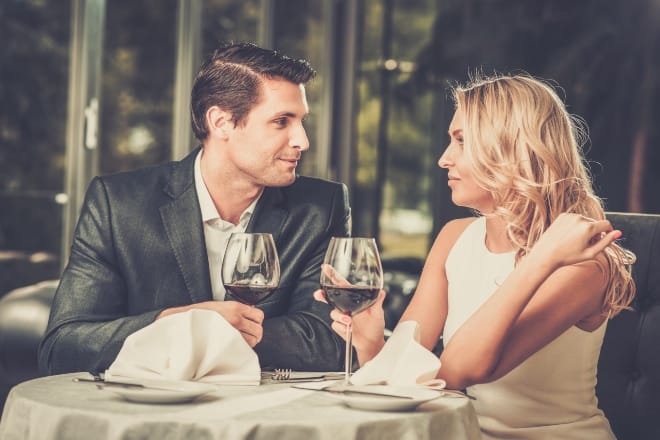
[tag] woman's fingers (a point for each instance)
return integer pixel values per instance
(319, 295)
(602, 240)
(336, 279)
(572, 238)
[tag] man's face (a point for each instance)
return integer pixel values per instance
(266, 147)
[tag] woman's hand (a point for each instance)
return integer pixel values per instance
(368, 326)
(573, 238)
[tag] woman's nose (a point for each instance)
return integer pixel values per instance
(445, 160)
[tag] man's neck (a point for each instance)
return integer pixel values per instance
(230, 194)
(231, 205)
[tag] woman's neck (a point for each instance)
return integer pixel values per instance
(497, 240)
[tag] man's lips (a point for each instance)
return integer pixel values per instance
(292, 160)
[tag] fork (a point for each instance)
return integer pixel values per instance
(281, 374)
(288, 375)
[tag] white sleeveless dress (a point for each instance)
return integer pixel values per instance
(549, 396)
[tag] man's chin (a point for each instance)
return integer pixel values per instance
(284, 181)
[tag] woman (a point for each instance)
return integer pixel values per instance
(521, 293)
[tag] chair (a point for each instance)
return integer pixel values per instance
(401, 275)
(628, 387)
(23, 319)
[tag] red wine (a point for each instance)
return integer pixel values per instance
(249, 294)
(351, 300)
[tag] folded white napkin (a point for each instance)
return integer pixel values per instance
(403, 361)
(197, 345)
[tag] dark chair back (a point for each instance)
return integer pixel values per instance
(628, 386)
(23, 319)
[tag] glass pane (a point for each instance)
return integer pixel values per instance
(601, 54)
(299, 34)
(34, 56)
(224, 21)
(228, 20)
(400, 126)
(137, 84)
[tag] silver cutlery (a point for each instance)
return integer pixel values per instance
(287, 375)
(351, 389)
(101, 384)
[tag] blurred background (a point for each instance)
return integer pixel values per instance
(92, 87)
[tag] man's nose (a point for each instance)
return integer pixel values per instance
(299, 139)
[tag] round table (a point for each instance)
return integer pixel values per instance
(56, 407)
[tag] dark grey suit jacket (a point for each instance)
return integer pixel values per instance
(139, 248)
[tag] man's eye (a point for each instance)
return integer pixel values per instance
(281, 122)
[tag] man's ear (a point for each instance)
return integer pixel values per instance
(219, 122)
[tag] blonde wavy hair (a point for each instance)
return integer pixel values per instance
(526, 150)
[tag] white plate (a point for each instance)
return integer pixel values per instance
(418, 395)
(176, 392)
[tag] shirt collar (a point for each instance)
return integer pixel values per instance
(209, 212)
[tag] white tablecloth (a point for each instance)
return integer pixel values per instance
(55, 407)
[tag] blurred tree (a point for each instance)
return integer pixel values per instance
(393, 153)
(604, 55)
(299, 33)
(137, 81)
(34, 59)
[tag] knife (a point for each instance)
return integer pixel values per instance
(342, 389)
(100, 384)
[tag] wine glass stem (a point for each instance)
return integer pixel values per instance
(349, 354)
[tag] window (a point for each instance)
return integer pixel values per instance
(137, 84)
(34, 57)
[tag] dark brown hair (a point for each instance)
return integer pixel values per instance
(231, 79)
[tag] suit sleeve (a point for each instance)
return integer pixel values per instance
(303, 339)
(88, 320)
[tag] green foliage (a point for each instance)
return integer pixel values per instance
(33, 94)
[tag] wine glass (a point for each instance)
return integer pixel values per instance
(352, 277)
(251, 267)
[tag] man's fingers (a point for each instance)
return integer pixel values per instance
(253, 314)
(251, 331)
(250, 339)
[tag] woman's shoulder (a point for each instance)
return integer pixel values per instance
(451, 231)
(448, 236)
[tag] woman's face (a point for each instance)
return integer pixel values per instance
(464, 189)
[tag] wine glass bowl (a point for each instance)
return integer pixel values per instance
(351, 277)
(250, 267)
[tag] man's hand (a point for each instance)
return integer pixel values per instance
(244, 318)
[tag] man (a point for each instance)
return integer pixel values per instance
(149, 243)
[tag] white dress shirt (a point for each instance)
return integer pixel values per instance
(216, 230)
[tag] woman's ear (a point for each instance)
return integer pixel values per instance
(219, 122)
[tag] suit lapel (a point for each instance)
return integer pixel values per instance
(269, 214)
(182, 220)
